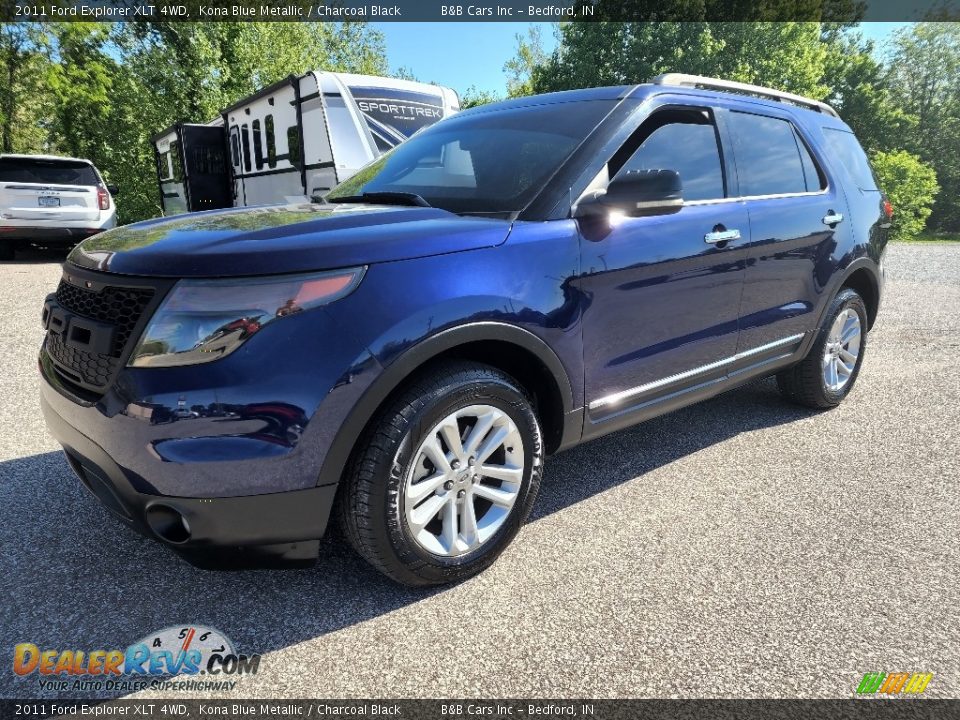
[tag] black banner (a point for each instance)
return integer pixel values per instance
(476, 10)
(879, 709)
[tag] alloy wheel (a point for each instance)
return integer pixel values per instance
(464, 480)
(841, 350)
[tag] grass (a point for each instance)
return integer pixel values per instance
(932, 238)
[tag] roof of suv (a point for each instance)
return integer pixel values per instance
(677, 84)
(17, 156)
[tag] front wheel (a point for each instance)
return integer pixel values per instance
(445, 477)
(827, 374)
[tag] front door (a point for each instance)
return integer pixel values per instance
(662, 294)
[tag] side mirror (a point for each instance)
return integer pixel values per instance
(638, 193)
(113, 189)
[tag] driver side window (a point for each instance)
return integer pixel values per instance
(684, 140)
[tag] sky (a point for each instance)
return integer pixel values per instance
(457, 54)
(450, 53)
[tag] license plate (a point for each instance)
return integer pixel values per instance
(48, 201)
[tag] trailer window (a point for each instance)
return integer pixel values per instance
(163, 165)
(271, 142)
(207, 160)
(245, 139)
(293, 145)
(257, 144)
(175, 161)
(235, 148)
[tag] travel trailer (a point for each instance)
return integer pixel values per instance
(295, 139)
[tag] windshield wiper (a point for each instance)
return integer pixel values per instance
(383, 198)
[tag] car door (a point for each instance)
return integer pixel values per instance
(662, 293)
(797, 221)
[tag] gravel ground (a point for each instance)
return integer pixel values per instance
(739, 548)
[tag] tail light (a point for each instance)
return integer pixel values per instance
(888, 209)
(103, 198)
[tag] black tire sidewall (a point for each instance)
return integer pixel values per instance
(845, 299)
(504, 396)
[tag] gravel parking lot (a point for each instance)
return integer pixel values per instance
(739, 548)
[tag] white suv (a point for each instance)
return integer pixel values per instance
(51, 200)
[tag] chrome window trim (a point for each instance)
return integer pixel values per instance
(744, 198)
(641, 389)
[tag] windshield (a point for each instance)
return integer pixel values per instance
(494, 162)
(54, 172)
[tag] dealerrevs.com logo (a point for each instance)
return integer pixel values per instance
(185, 651)
(900, 683)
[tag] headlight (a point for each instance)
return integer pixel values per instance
(205, 320)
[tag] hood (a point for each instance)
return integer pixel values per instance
(282, 239)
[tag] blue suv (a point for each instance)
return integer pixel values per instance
(403, 353)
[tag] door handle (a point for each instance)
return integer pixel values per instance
(721, 236)
(832, 218)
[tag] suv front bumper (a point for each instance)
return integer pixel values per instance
(284, 525)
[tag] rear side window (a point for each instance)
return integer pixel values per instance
(701, 172)
(62, 172)
(293, 145)
(163, 165)
(175, 162)
(844, 145)
(257, 144)
(771, 159)
(245, 141)
(271, 141)
(235, 147)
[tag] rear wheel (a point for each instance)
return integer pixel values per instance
(827, 374)
(445, 477)
(6, 251)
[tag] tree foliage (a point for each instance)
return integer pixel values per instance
(911, 187)
(925, 74)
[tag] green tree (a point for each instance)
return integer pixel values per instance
(925, 78)
(80, 77)
(21, 46)
(785, 55)
(911, 187)
(520, 68)
(859, 90)
(472, 97)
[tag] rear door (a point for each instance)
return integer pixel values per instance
(798, 219)
(207, 181)
(42, 191)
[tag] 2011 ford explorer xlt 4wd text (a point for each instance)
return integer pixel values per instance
(510, 282)
(51, 200)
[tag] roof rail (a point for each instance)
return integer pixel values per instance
(680, 79)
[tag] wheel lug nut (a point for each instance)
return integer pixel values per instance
(455, 464)
(448, 485)
(461, 494)
(472, 461)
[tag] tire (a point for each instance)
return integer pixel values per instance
(6, 252)
(809, 382)
(380, 511)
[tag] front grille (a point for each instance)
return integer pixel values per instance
(120, 307)
(90, 368)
